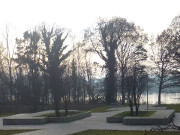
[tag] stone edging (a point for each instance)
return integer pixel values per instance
(43, 120)
(144, 120)
(114, 119)
(25, 121)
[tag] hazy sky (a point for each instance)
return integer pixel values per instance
(152, 15)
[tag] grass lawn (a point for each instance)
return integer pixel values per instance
(6, 114)
(12, 132)
(176, 107)
(121, 132)
(105, 108)
(141, 114)
(70, 113)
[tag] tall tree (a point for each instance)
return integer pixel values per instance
(105, 47)
(10, 46)
(108, 37)
(4, 94)
(139, 75)
(174, 51)
(89, 76)
(53, 40)
(161, 58)
(30, 57)
(130, 39)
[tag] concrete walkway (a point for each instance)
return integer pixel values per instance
(96, 121)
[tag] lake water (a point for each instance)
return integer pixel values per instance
(166, 98)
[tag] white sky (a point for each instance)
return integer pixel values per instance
(152, 15)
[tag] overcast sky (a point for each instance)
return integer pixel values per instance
(152, 15)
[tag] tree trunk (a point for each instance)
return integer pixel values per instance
(159, 95)
(137, 110)
(55, 85)
(160, 84)
(131, 107)
(122, 85)
(10, 83)
(56, 106)
(66, 106)
(111, 84)
(111, 75)
(134, 90)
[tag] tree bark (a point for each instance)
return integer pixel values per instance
(160, 84)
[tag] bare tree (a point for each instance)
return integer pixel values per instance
(161, 58)
(10, 46)
(131, 38)
(136, 78)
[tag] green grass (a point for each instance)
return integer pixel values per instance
(141, 114)
(122, 132)
(70, 113)
(105, 108)
(176, 107)
(6, 114)
(12, 132)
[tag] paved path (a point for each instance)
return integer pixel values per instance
(96, 121)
